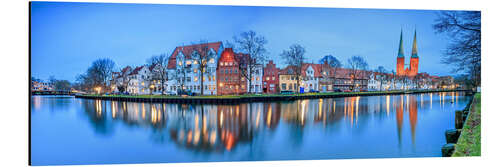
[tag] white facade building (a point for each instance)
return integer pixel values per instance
(256, 86)
(184, 72)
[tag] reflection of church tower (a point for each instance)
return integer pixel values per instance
(400, 67)
(414, 57)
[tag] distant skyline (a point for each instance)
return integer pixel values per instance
(67, 37)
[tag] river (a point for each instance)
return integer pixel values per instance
(70, 131)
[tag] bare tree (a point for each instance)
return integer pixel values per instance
(99, 74)
(125, 79)
(381, 78)
(294, 57)
(358, 67)
(181, 72)
(159, 70)
(253, 45)
(464, 50)
(201, 57)
(334, 63)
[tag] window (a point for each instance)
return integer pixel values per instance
(221, 64)
(273, 78)
(211, 60)
(267, 78)
(283, 86)
(195, 79)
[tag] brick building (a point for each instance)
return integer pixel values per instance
(270, 79)
(229, 80)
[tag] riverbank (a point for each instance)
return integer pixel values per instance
(247, 97)
(469, 142)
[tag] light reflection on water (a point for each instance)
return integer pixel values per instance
(66, 130)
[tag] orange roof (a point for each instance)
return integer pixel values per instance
(188, 50)
(227, 55)
(136, 70)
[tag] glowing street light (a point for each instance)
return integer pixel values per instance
(98, 89)
(151, 87)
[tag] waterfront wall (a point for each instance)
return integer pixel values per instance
(250, 98)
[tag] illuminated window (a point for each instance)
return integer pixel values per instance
(225, 63)
(180, 63)
(267, 78)
(195, 78)
(142, 83)
(212, 60)
(221, 64)
(195, 62)
(188, 62)
(274, 78)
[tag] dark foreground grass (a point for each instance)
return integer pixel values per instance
(469, 143)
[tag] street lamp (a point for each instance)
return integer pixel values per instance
(98, 89)
(151, 87)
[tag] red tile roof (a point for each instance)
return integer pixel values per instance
(188, 50)
(136, 70)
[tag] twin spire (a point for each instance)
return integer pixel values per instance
(414, 53)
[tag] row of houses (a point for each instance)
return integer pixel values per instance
(223, 74)
(39, 85)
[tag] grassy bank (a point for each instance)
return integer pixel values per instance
(266, 95)
(469, 143)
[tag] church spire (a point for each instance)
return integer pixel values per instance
(401, 51)
(414, 53)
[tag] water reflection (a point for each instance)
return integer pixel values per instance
(340, 124)
(223, 127)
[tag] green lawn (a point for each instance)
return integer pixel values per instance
(469, 143)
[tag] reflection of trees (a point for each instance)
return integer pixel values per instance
(96, 111)
(132, 114)
(219, 128)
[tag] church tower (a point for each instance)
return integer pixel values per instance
(400, 67)
(414, 57)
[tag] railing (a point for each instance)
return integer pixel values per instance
(51, 92)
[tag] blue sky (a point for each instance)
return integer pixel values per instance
(67, 37)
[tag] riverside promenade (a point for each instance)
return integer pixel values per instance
(230, 99)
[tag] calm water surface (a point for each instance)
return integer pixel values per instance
(67, 130)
